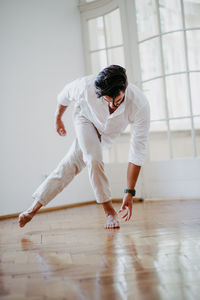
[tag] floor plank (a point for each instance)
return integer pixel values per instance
(67, 254)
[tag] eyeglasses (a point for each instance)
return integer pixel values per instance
(117, 103)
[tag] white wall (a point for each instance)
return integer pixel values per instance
(117, 174)
(40, 51)
(172, 179)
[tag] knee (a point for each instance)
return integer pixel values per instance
(94, 163)
(67, 169)
(89, 156)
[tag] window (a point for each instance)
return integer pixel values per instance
(105, 41)
(104, 44)
(169, 47)
(167, 44)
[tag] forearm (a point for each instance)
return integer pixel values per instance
(132, 175)
(60, 111)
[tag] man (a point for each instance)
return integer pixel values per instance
(104, 106)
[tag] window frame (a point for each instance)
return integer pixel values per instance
(131, 51)
(163, 76)
(97, 9)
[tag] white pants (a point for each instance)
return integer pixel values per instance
(85, 150)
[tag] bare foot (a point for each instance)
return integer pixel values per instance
(28, 214)
(112, 222)
(25, 217)
(111, 215)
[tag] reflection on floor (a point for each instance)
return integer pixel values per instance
(69, 255)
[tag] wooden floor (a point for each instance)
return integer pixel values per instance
(68, 254)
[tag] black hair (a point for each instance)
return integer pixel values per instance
(110, 81)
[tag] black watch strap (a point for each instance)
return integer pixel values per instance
(132, 192)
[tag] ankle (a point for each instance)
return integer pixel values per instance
(110, 211)
(34, 208)
(108, 208)
(31, 211)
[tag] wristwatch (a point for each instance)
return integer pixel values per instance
(132, 192)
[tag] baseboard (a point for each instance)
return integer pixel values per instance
(48, 209)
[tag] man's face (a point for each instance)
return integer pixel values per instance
(114, 103)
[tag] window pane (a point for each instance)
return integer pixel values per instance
(177, 96)
(193, 39)
(194, 83)
(98, 61)
(192, 13)
(150, 58)
(113, 28)
(96, 34)
(158, 126)
(154, 93)
(170, 15)
(146, 18)
(116, 56)
(173, 52)
(158, 141)
(197, 134)
(181, 138)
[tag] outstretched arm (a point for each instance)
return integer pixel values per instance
(132, 176)
(60, 128)
(138, 149)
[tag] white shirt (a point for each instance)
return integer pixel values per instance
(133, 110)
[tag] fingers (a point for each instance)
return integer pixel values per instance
(127, 214)
(127, 204)
(123, 207)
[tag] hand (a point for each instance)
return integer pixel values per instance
(127, 205)
(60, 128)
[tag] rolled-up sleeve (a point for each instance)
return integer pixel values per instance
(70, 93)
(139, 136)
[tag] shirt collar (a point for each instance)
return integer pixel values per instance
(120, 109)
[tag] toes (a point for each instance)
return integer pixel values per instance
(21, 223)
(107, 226)
(112, 222)
(112, 225)
(23, 219)
(116, 225)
